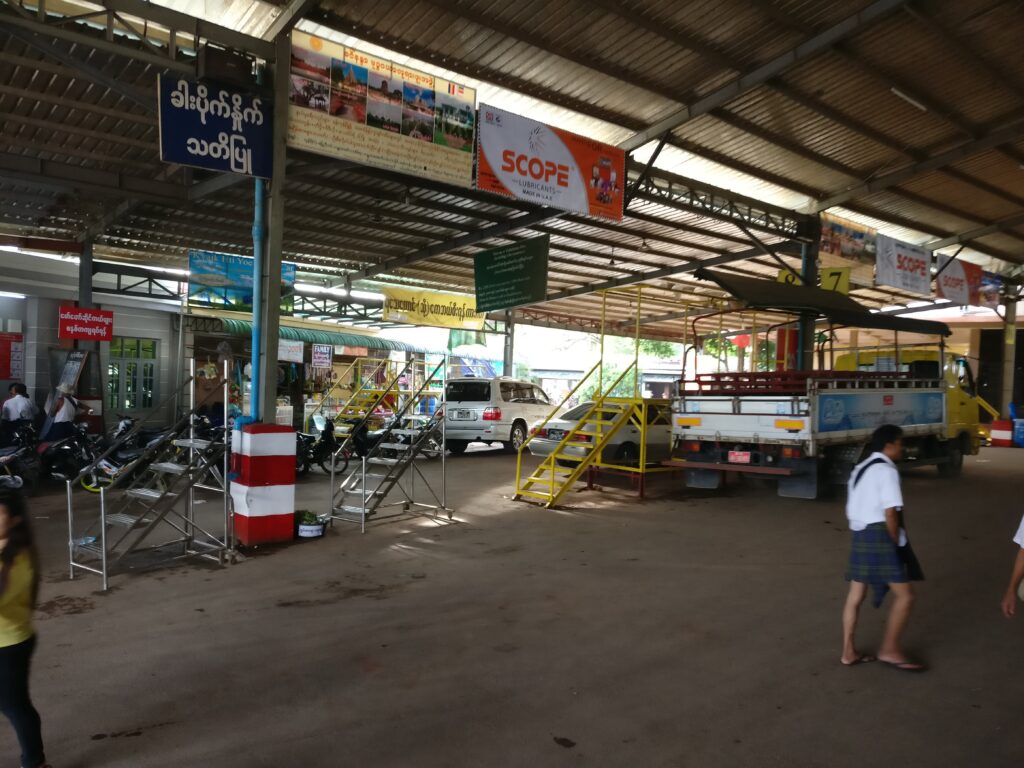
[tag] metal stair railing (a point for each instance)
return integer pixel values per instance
(359, 393)
(421, 440)
(349, 430)
(150, 487)
(559, 479)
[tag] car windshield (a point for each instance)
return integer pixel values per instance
(468, 391)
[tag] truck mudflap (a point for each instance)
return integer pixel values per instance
(703, 478)
(803, 483)
(797, 478)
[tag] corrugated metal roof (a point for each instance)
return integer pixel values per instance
(601, 68)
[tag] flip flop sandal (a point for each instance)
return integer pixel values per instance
(906, 666)
(865, 659)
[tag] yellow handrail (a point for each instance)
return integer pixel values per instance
(986, 406)
(601, 436)
(556, 409)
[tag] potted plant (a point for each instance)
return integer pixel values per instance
(309, 525)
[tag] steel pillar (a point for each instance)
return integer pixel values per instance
(509, 356)
(85, 275)
(270, 277)
(805, 334)
(1009, 356)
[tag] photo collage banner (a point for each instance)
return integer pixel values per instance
(347, 104)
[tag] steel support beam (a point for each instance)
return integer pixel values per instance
(1002, 225)
(97, 75)
(677, 269)
(52, 173)
(1004, 135)
(811, 47)
(289, 16)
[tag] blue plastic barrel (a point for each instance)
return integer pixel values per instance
(1018, 432)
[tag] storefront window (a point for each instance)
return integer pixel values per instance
(132, 374)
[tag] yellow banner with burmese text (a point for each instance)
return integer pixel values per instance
(422, 307)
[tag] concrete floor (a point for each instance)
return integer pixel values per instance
(696, 629)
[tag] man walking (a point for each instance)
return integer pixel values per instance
(880, 555)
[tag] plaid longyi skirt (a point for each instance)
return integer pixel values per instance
(875, 559)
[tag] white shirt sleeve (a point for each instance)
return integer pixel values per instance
(1019, 538)
(889, 493)
(8, 411)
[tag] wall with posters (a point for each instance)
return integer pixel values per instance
(348, 104)
(532, 161)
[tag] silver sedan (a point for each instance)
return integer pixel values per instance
(624, 446)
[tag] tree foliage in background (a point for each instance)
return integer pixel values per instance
(723, 348)
(609, 374)
(665, 350)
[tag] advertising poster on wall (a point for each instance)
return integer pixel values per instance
(902, 265)
(422, 307)
(348, 104)
(12, 356)
(224, 281)
(532, 161)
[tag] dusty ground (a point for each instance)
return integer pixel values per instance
(696, 629)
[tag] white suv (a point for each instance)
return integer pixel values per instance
(491, 411)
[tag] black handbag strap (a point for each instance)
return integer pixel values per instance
(865, 468)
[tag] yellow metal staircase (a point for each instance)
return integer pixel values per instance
(559, 470)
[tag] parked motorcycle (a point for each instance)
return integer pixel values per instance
(320, 449)
(130, 444)
(65, 459)
(18, 466)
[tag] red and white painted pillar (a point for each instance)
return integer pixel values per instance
(263, 483)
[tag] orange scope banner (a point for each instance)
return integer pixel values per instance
(527, 160)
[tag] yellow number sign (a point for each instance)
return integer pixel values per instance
(829, 278)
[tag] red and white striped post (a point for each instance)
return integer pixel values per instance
(263, 483)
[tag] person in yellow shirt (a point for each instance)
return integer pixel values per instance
(19, 585)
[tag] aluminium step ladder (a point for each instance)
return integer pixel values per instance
(156, 490)
(365, 486)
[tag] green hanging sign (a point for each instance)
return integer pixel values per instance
(512, 275)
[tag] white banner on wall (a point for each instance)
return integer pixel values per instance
(903, 266)
(289, 351)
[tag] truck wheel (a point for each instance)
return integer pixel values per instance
(954, 463)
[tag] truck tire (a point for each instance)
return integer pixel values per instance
(954, 459)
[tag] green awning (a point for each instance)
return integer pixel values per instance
(244, 328)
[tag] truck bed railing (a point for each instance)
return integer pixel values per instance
(799, 382)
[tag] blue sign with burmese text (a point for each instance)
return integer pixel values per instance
(211, 127)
